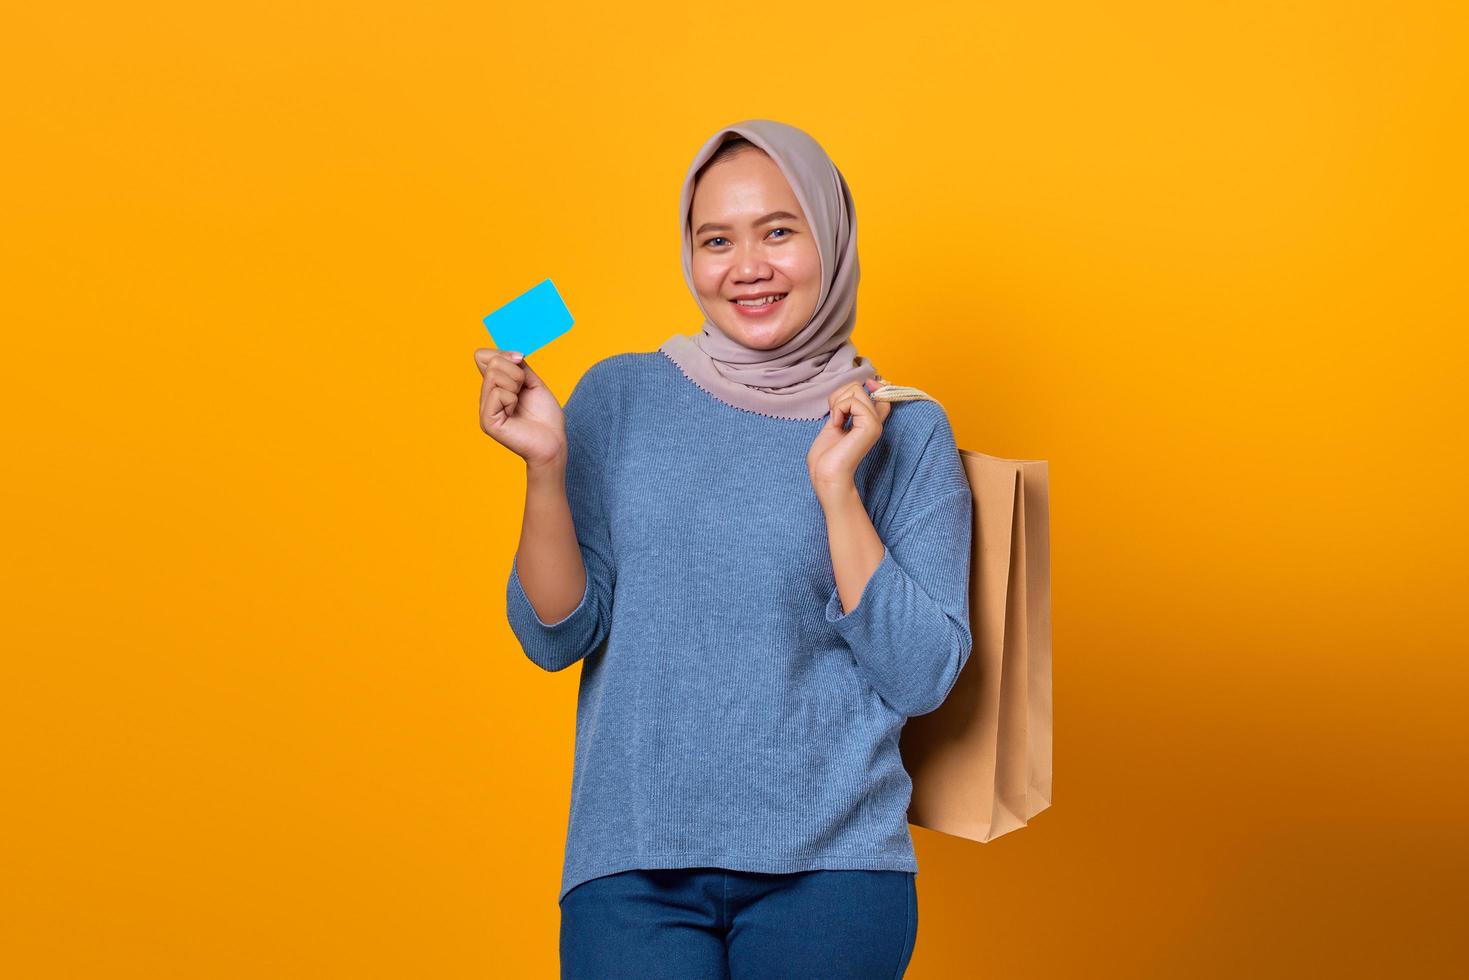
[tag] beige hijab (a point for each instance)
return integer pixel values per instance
(792, 381)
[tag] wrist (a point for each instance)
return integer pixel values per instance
(546, 471)
(838, 494)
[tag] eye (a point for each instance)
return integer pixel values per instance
(721, 238)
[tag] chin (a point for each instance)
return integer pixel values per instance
(757, 335)
(759, 338)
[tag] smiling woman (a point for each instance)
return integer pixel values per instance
(770, 254)
(756, 267)
(768, 595)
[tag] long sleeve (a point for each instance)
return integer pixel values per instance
(909, 632)
(556, 646)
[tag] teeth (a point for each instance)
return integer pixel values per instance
(765, 301)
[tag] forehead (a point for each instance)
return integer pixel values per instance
(746, 185)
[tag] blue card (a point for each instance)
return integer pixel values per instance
(530, 321)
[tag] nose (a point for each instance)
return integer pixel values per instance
(751, 264)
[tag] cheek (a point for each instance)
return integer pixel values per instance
(708, 276)
(803, 269)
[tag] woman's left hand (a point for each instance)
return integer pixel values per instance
(835, 453)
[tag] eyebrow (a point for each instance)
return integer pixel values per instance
(772, 216)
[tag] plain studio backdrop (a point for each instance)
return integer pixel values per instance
(262, 713)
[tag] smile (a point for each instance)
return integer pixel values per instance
(758, 307)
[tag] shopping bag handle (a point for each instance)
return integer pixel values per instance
(900, 393)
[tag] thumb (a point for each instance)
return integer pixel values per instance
(532, 380)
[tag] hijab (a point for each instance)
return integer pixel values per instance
(794, 380)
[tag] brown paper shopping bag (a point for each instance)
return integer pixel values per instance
(981, 762)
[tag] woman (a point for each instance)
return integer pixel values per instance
(763, 573)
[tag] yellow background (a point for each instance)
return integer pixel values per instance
(263, 716)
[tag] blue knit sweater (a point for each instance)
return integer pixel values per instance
(729, 714)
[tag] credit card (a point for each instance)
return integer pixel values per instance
(530, 321)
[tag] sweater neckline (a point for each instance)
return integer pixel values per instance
(738, 408)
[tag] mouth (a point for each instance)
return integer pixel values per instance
(759, 307)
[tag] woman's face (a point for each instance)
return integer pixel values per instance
(751, 239)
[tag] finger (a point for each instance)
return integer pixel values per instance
(531, 379)
(484, 356)
(840, 412)
(845, 407)
(865, 412)
(841, 391)
(503, 372)
(860, 402)
(500, 405)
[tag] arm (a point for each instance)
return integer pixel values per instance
(548, 558)
(559, 595)
(901, 600)
(902, 606)
(856, 550)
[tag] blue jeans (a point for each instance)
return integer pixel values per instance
(715, 924)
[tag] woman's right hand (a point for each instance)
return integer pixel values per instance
(517, 410)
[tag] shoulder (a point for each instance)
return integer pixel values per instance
(924, 457)
(605, 372)
(618, 373)
(606, 380)
(607, 392)
(918, 429)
